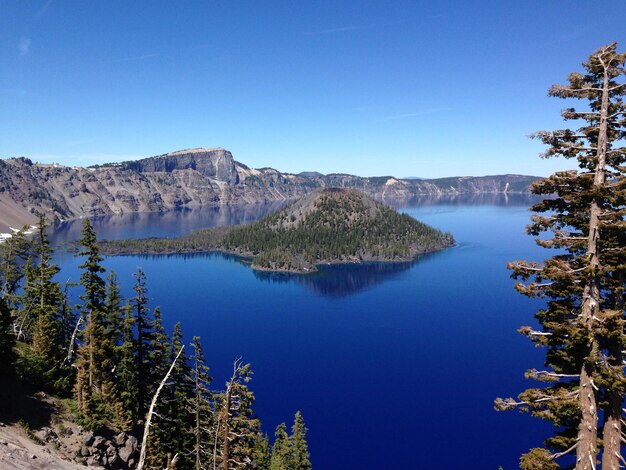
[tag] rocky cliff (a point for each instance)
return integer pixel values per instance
(194, 178)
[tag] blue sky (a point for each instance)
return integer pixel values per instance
(403, 88)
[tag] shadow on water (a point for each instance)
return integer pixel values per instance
(342, 280)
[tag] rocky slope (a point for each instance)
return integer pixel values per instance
(194, 178)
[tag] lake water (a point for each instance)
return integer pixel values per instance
(394, 366)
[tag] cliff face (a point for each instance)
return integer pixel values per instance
(194, 178)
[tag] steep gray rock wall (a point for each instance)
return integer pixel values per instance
(195, 178)
(212, 163)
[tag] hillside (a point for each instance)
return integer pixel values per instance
(330, 225)
(195, 178)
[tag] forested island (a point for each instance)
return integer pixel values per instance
(327, 226)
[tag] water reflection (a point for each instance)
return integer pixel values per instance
(342, 280)
(477, 199)
(162, 224)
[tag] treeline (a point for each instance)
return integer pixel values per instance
(109, 356)
(338, 226)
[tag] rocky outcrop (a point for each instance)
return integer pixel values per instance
(212, 163)
(194, 178)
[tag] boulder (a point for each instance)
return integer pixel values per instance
(88, 440)
(120, 439)
(132, 443)
(115, 462)
(99, 442)
(125, 453)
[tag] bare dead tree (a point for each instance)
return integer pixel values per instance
(146, 428)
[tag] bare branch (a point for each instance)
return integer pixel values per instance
(146, 429)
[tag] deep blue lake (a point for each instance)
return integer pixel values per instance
(392, 365)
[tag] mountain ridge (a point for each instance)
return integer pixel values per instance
(194, 178)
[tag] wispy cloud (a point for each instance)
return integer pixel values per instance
(137, 57)
(43, 9)
(423, 112)
(341, 29)
(348, 28)
(24, 47)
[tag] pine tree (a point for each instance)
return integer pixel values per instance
(44, 364)
(13, 253)
(126, 374)
(180, 407)
(583, 322)
(299, 446)
(7, 338)
(202, 414)
(144, 326)
(114, 318)
(282, 455)
(237, 427)
(262, 456)
(95, 384)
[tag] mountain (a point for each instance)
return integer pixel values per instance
(194, 178)
(329, 225)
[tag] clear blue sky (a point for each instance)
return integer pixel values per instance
(404, 88)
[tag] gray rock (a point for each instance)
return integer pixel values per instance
(88, 440)
(132, 443)
(120, 439)
(84, 451)
(125, 453)
(201, 177)
(115, 462)
(99, 442)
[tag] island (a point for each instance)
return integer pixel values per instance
(327, 226)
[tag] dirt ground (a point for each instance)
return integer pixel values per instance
(33, 431)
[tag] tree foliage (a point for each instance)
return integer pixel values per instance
(582, 325)
(117, 354)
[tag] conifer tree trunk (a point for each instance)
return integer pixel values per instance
(588, 429)
(612, 436)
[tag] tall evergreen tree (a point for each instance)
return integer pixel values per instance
(299, 446)
(202, 413)
(282, 452)
(158, 350)
(7, 338)
(126, 374)
(114, 318)
(13, 254)
(583, 322)
(144, 326)
(44, 363)
(237, 427)
(95, 384)
(262, 455)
